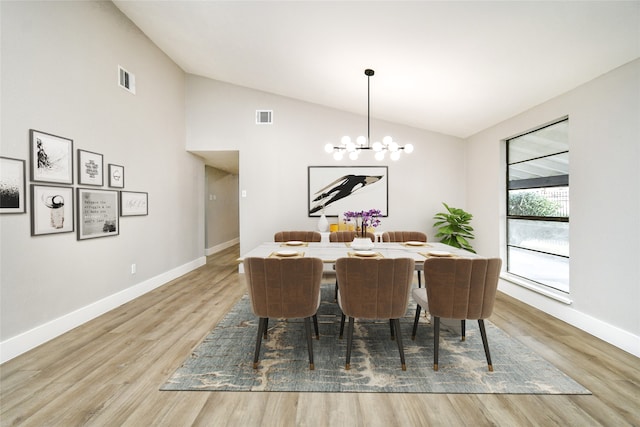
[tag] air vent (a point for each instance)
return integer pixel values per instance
(264, 117)
(126, 80)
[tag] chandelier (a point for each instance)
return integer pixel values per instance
(353, 148)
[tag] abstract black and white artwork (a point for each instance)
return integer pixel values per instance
(51, 209)
(51, 158)
(334, 190)
(12, 186)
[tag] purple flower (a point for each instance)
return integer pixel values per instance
(364, 219)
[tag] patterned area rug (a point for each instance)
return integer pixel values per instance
(224, 360)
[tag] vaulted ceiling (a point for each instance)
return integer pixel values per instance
(455, 67)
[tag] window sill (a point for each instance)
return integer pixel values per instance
(535, 287)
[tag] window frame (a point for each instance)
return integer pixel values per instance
(555, 181)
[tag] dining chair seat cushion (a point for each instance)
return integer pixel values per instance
(420, 297)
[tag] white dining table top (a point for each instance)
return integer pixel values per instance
(330, 252)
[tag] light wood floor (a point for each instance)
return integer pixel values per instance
(108, 372)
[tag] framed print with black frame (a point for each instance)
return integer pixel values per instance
(13, 185)
(116, 176)
(51, 209)
(97, 213)
(134, 203)
(337, 189)
(90, 168)
(51, 158)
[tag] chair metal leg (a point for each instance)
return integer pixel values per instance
(415, 322)
(262, 326)
(485, 343)
(347, 365)
(315, 326)
(393, 337)
(341, 326)
(463, 325)
(307, 329)
(335, 297)
(436, 341)
(396, 325)
(266, 327)
(419, 282)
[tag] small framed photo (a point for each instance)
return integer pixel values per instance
(13, 198)
(133, 203)
(90, 170)
(116, 176)
(51, 209)
(51, 158)
(97, 213)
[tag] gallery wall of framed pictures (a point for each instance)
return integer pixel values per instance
(57, 205)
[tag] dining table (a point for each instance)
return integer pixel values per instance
(329, 252)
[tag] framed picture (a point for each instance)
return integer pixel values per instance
(133, 203)
(12, 186)
(116, 176)
(51, 158)
(90, 168)
(51, 209)
(97, 213)
(336, 189)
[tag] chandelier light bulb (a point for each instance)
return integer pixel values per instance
(361, 140)
(345, 140)
(387, 140)
(377, 146)
(379, 155)
(408, 148)
(395, 155)
(393, 146)
(350, 146)
(337, 155)
(328, 148)
(353, 155)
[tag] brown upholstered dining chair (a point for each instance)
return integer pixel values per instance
(284, 288)
(302, 236)
(458, 288)
(347, 236)
(405, 236)
(373, 288)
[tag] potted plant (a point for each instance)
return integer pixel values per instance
(364, 220)
(453, 228)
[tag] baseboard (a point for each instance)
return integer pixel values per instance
(222, 246)
(28, 340)
(615, 336)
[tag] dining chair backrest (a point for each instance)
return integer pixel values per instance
(404, 236)
(302, 236)
(347, 236)
(461, 288)
(372, 288)
(283, 287)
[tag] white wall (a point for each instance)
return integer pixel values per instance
(604, 133)
(59, 75)
(274, 159)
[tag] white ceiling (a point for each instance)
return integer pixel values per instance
(455, 67)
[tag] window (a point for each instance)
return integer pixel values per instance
(538, 206)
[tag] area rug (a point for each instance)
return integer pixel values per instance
(224, 359)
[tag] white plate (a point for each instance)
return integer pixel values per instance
(294, 243)
(439, 253)
(287, 253)
(365, 253)
(416, 243)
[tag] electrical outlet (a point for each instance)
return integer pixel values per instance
(133, 269)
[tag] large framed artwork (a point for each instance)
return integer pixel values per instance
(51, 209)
(90, 170)
(336, 189)
(51, 158)
(97, 213)
(133, 203)
(12, 186)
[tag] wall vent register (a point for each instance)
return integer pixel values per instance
(264, 117)
(126, 80)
